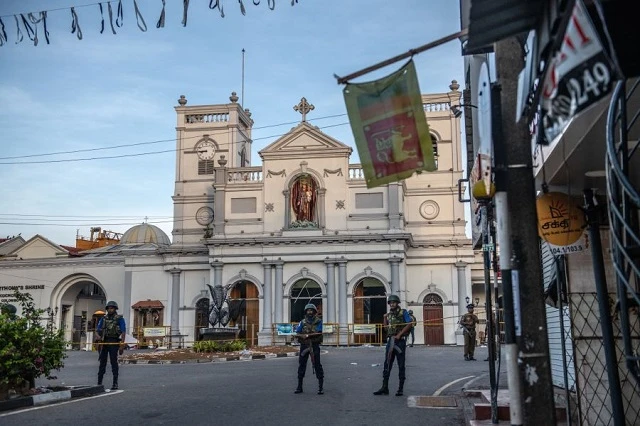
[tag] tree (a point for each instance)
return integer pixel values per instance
(28, 349)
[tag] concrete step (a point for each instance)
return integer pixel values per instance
(503, 422)
(482, 410)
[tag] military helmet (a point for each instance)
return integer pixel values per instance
(470, 306)
(410, 312)
(393, 298)
(310, 306)
(112, 303)
(8, 308)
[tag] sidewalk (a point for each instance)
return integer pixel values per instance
(50, 397)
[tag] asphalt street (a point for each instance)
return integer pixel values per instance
(260, 392)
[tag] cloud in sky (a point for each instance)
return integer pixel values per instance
(108, 90)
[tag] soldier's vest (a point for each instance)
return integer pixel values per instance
(111, 326)
(468, 321)
(310, 328)
(396, 321)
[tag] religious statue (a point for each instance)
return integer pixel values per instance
(303, 199)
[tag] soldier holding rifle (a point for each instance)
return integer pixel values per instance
(309, 333)
(398, 323)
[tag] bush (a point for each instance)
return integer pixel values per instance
(219, 346)
(28, 349)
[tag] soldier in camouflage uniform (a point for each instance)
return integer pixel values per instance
(110, 335)
(309, 333)
(468, 323)
(398, 323)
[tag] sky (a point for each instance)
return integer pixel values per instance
(104, 91)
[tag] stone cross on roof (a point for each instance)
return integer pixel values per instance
(303, 108)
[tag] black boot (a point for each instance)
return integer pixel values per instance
(115, 385)
(99, 380)
(299, 388)
(400, 388)
(384, 390)
(320, 384)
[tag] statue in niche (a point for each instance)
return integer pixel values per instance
(303, 202)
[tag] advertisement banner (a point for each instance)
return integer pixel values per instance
(285, 329)
(389, 127)
(560, 221)
(579, 75)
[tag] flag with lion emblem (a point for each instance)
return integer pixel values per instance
(389, 126)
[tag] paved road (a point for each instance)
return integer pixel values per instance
(260, 392)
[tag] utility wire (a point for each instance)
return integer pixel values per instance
(159, 141)
(71, 160)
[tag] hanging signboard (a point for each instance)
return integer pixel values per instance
(364, 329)
(581, 245)
(560, 221)
(579, 75)
(389, 127)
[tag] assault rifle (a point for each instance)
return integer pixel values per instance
(391, 347)
(309, 349)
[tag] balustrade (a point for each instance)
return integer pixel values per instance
(244, 174)
(436, 107)
(206, 118)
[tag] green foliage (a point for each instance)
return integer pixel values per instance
(28, 349)
(214, 346)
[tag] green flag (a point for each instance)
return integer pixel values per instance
(389, 126)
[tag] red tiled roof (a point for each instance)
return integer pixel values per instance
(73, 251)
(148, 304)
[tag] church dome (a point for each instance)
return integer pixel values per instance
(145, 234)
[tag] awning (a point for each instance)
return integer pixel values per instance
(494, 20)
(148, 304)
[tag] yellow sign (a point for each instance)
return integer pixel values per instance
(560, 221)
(154, 332)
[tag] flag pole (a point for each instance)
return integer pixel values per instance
(410, 53)
(242, 92)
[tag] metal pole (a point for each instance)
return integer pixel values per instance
(486, 252)
(510, 298)
(533, 346)
(409, 54)
(608, 342)
(242, 92)
(565, 373)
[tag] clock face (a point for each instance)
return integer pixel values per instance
(204, 216)
(206, 150)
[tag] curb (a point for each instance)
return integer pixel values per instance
(51, 397)
(207, 361)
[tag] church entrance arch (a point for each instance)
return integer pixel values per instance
(369, 307)
(304, 291)
(80, 302)
(433, 320)
(244, 306)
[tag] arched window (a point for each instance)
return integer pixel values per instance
(304, 291)
(434, 142)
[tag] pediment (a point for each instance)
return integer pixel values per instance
(306, 140)
(38, 247)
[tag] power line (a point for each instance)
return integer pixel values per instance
(75, 225)
(71, 160)
(75, 151)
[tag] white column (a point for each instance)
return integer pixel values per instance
(342, 292)
(395, 274)
(330, 311)
(278, 295)
(175, 307)
(266, 302)
(462, 294)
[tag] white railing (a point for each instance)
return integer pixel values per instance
(436, 106)
(356, 172)
(244, 175)
(206, 118)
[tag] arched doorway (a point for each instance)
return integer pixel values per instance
(369, 307)
(202, 317)
(244, 306)
(82, 306)
(433, 320)
(304, 291)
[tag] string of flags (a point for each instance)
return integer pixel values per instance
(29, 23)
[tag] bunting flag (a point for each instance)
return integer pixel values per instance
(27, 23)
(389, 126)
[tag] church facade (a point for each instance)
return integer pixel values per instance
(300, 228)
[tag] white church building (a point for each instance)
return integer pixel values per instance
(301, 227)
